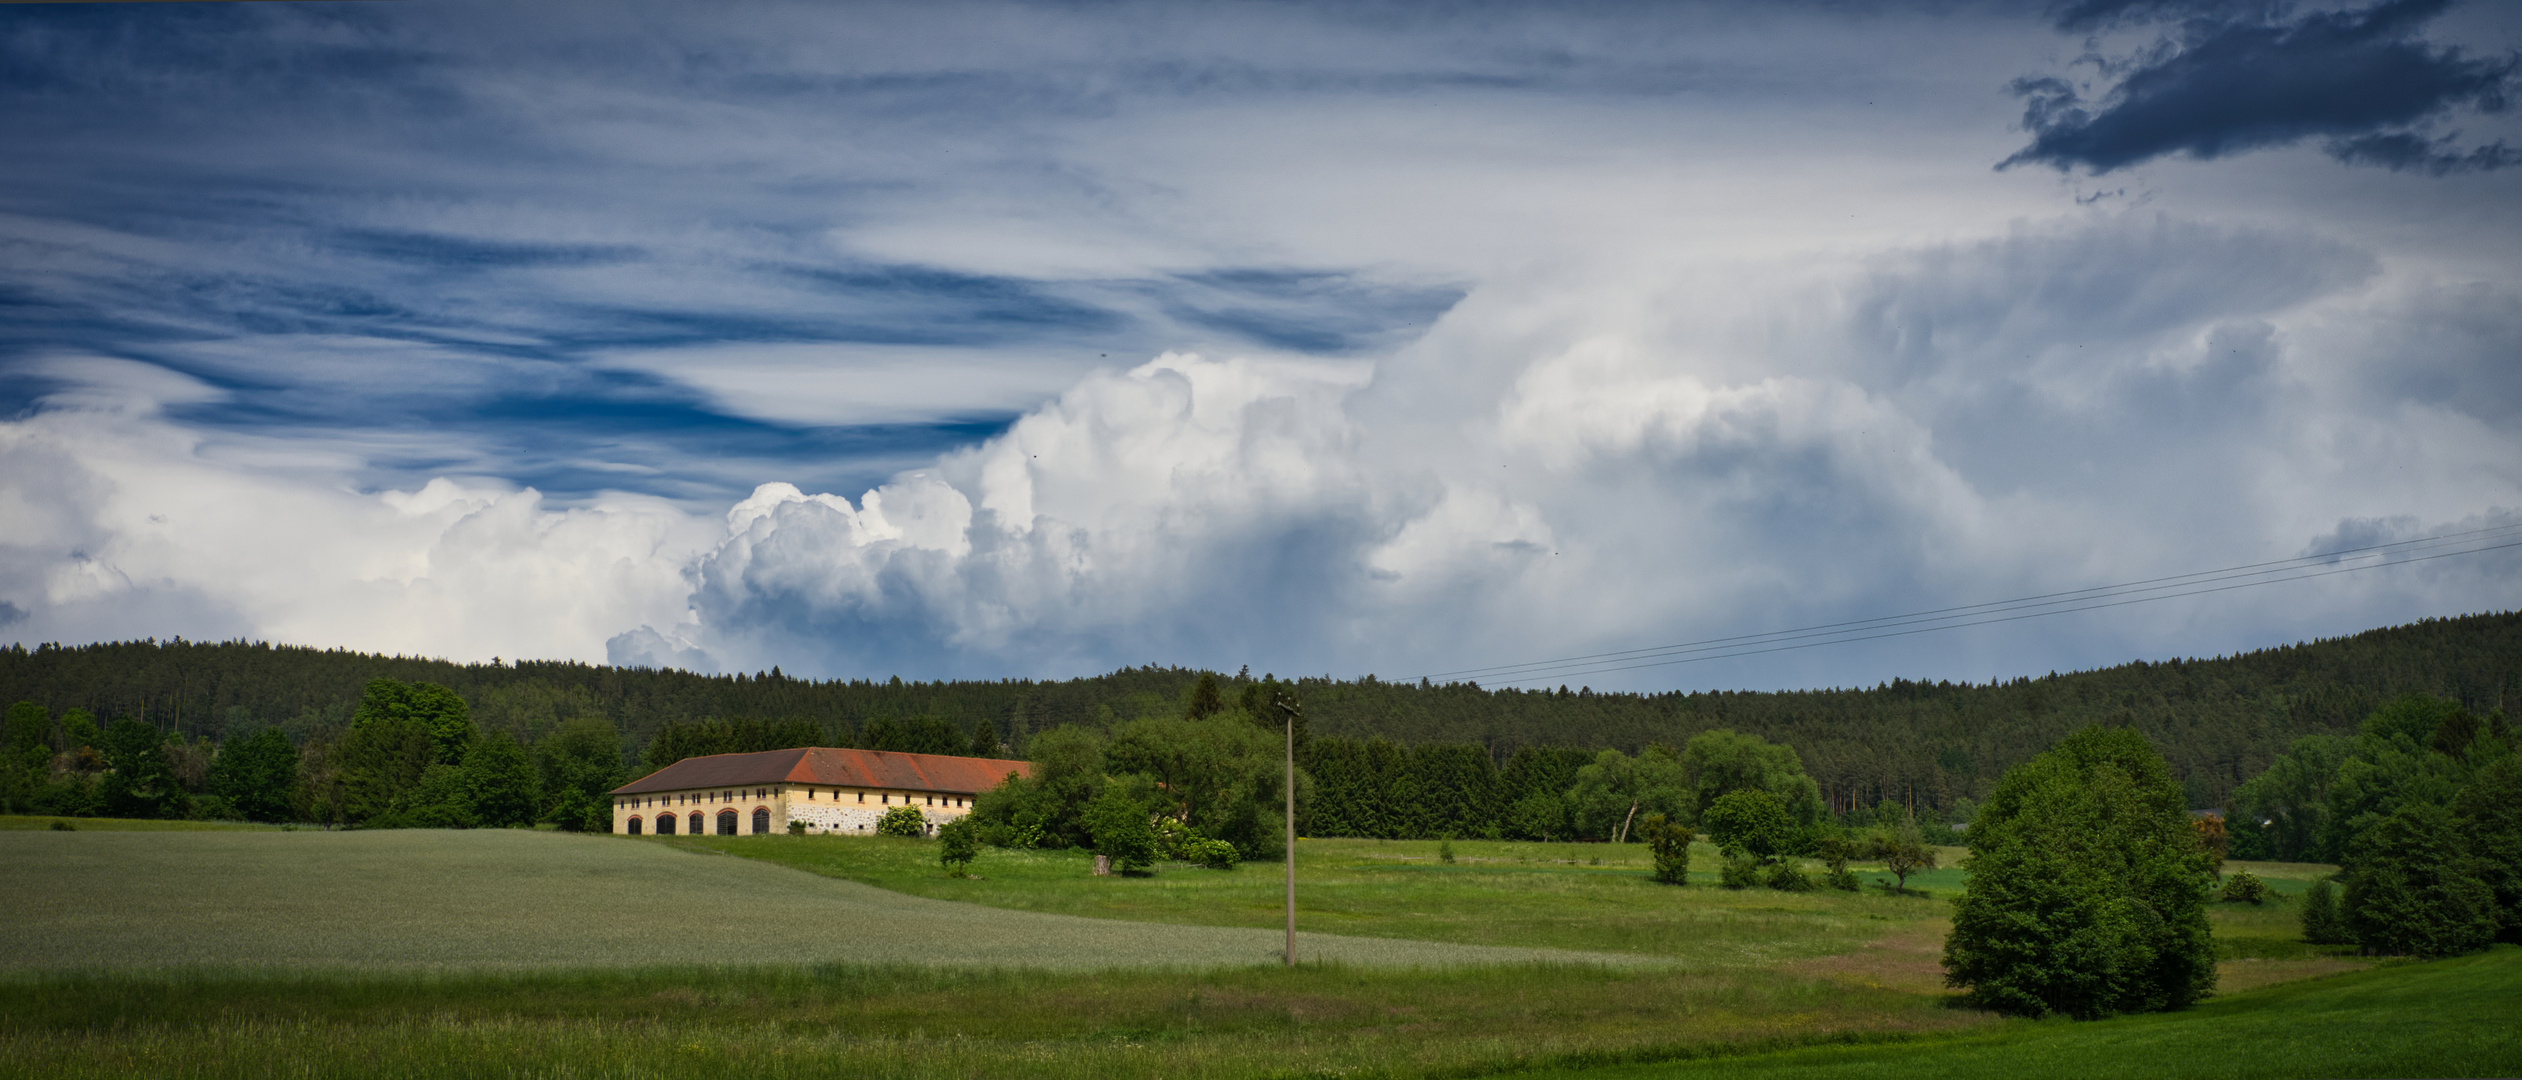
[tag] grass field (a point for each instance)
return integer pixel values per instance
(511, 899)
(433, 954)
(2446, 1018)
(1588, 897)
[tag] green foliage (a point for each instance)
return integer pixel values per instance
(2245, 888)
(677, 740)
(2282, 814)
(1213, 854)
(577, 767)
(1119, 827)
(1751, 821)
(1670, 846)
(1741, 870)
(437, 711)
(1205, 700)
(1047, 808)
(1722, 762)
(2411, 887)
(1905, 852)
(1835, 852)
(985, 742)
(1223, 777)
(958, 843)
(500, 782)
(2489, 811)
(2086, 887)
(1611, 792)
(2322, 924)
(1539, 817)
(258, 775)
(1381, 789)
(142, 783)
(926, 734)
(1785, 877)
(905, 820)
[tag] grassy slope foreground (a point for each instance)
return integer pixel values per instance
(2446, 1018)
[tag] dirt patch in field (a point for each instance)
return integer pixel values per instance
(2235, 976)
(1909, 958)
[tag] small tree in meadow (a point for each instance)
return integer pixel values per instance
(1670, 845)
(1907, 853)
(958, 843)
(1121, 831)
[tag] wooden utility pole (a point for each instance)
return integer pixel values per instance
(1287, 709)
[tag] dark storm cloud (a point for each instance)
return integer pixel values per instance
(2236, 78)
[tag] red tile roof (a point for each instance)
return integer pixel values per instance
(836, 768)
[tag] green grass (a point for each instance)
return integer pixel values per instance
(444, 954)
(2447, 1018)
(925, 1022)
(517, 899)
(1587, 897)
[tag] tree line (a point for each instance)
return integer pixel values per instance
(1472, 759)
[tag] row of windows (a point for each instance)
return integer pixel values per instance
(684, 798)
(727, 820)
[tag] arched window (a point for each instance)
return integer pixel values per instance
(726, 823)
(665, 824)
(761, 820)
(696, 823)
(634, 825)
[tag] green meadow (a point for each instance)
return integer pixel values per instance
(219, 953)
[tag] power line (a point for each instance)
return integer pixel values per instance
(2147, 590)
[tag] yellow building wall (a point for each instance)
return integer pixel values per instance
(822, 809)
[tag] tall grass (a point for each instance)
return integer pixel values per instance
(924, 1022)
(2447, 1018)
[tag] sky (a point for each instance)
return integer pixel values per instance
(991, 340)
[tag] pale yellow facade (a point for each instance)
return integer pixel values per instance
(744, 811)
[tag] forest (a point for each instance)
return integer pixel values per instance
(1927, 746)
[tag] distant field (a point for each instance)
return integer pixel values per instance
(489, 900)
(15, 822)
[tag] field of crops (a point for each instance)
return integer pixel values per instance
(509, 899)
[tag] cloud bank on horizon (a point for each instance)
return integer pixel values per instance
(996, 339)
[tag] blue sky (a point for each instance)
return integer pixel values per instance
(1010, 339)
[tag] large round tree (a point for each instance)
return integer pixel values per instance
(2087, 887)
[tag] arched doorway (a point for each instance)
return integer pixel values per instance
(726, 823)
(634, 826)
(761, 820)
(665, 824)
(696, 823)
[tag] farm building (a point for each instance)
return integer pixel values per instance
(823, 789)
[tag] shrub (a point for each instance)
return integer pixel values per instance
(1834, 857)
(1445, 850)
(1784, 877)
(1741, 871)
(958, 843)
(1119, 827)
(2087, 887)
(1751, 820)
(2322, 925)
(2411, 890)
(796, 828)
(1906, 853)
(2243, 888)
(1670, 844)
(902, 821)
(1214, 854)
